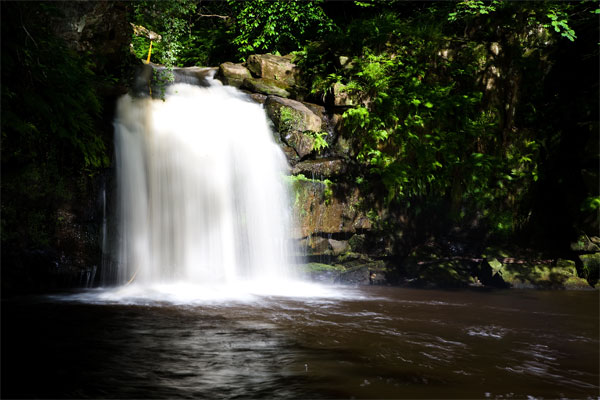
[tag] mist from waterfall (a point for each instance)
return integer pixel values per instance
(201, 190)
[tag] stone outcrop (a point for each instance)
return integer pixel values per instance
(98, 27)
(233, 74)
(266, 86)
(332, 228)
(270, 66)
(321, 209)
(293, 120)
(321, 168)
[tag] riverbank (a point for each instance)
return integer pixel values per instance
(432, 266)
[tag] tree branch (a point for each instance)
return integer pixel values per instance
(213, 15)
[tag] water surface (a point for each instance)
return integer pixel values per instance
(371, 342)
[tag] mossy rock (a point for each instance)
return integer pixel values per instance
(584, 244)
(320, 267)
(358, 243)
(323, 273)
(266, 86)
(590, 267)
(560, 275)
(321, 168)
(445, 274)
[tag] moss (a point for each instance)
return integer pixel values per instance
(319, 267)
(591, 267)
(288, 119)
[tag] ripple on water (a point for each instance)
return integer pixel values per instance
(488, 331)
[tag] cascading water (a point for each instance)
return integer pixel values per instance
(201, 192)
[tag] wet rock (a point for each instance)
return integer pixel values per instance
(322, 168)
(233, 74)
(266, 86)
(290, 153)
(322, 273)
(355, 276)
(273, 67)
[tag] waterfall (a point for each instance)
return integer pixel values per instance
(201, 194)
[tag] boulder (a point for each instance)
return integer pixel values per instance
(314, 245)
(338, 246)
(291, 115)
(590, 267)
(322, 168)
(233, 74)
(560, 274)
(274, 67)
(302, 143)
(355, 276)
(367, 272)
(322, 273)
(292, 120)
(266, 86)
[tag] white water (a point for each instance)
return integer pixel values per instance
(201, 194)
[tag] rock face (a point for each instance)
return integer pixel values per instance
(322, 168)
(100, 27)
(319, 209)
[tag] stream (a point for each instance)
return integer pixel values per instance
(368, 342)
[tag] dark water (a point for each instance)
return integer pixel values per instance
(374, 343)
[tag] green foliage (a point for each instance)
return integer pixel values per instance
(55, 106)
(288, 119)
(425, 122)
(472, 8)
(275, 26)
(320, 143)
(559, 21)
(51, 122)
(170, 19)
(197, 33)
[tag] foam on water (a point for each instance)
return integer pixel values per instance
(183, 293)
